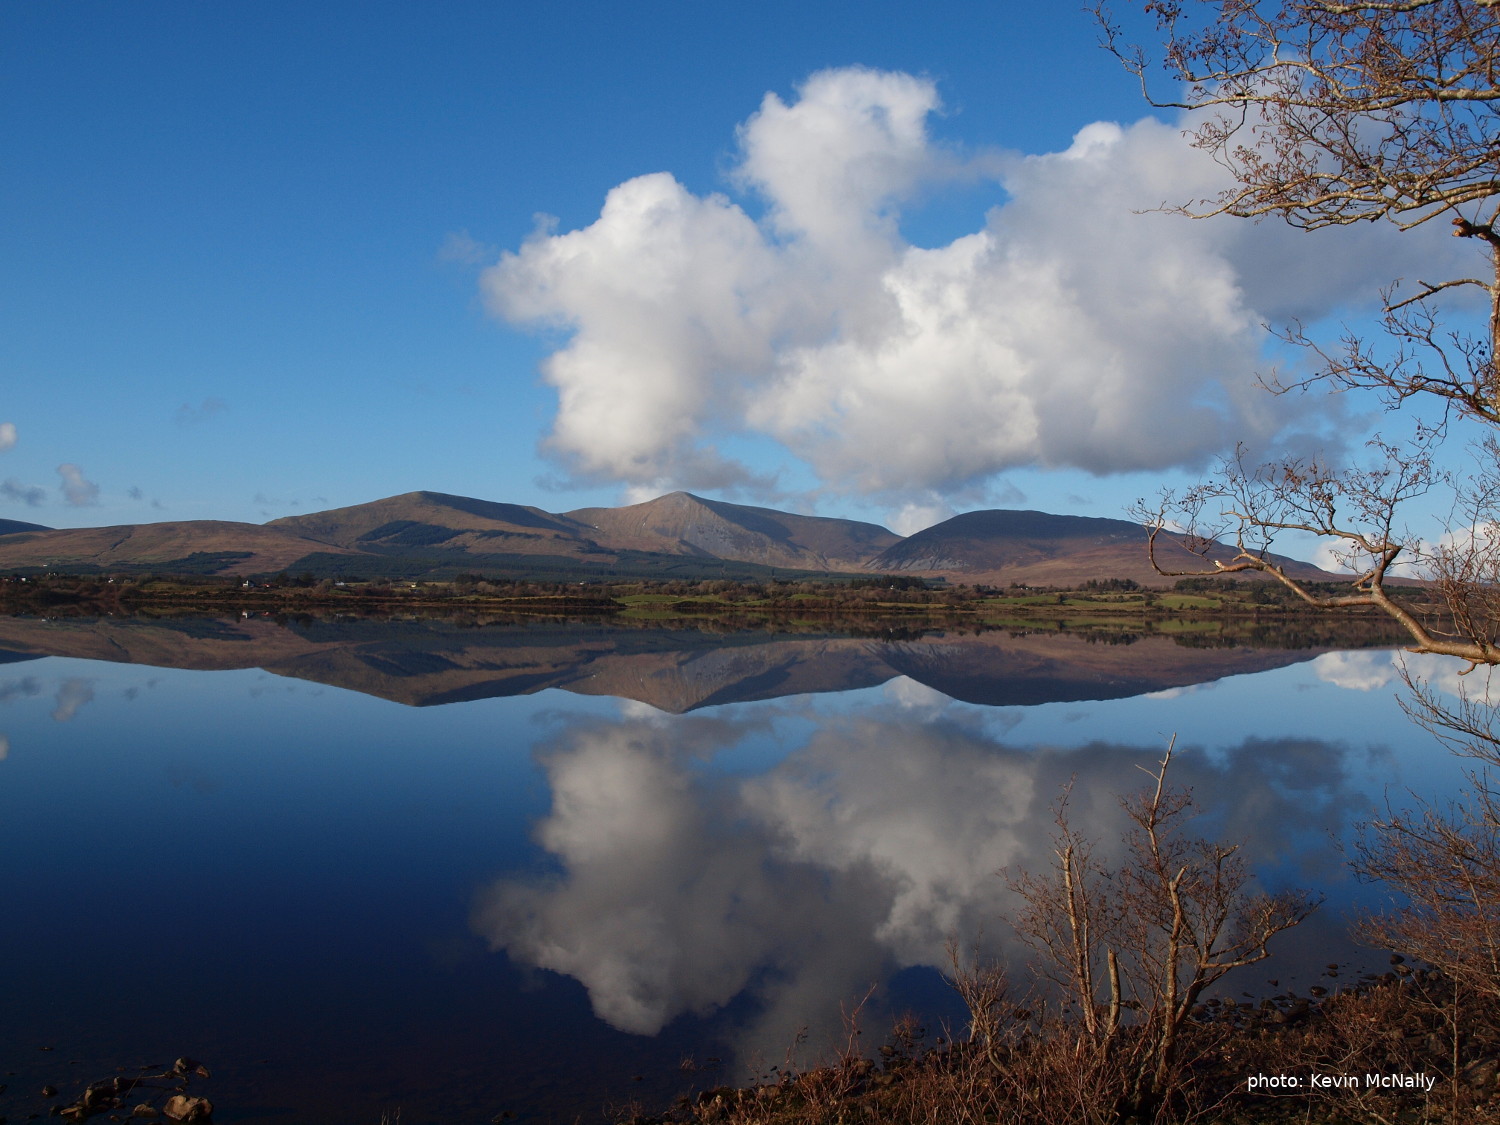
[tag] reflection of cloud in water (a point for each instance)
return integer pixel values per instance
(20, 689)
(1372, 671)
(1446, 674)
(907, 693)
(1179, 692)
(860, 853)
(72, 695)
(1356, 671)
(4, 747)
(635, 709)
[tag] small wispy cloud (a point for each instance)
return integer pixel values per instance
(7, 435)
(77, 490)
(28, 494)
(191, 414)
(136, 493)
(462, 247)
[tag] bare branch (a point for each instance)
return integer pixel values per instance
(1173, 919)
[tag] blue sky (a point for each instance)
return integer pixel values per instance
(262, 259)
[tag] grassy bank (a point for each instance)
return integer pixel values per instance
(1195, 607)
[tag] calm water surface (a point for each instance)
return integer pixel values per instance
(462, 871)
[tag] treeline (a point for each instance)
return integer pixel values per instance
(858, 594)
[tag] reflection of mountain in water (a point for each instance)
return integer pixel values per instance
(431, 662)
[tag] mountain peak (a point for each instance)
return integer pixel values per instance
(686, 524)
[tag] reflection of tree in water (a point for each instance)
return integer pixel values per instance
(862, 852)
(1296, 633)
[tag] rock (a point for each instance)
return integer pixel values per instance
(1481, 1073)
(144, 1112)
(184, 1107)
(190, 1066)
(99, 1096)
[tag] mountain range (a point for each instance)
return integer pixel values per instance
(432, 534)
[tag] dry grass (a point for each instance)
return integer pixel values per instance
(1018, 1066)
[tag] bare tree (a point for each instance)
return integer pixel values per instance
(1133, 949)
(1329, 113)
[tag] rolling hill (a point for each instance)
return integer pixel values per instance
(418, 520)
(681, 523)
(1039, 548)
(188, 546)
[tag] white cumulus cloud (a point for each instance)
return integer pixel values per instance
(1074, 327)
(918, 515)
(7, 436)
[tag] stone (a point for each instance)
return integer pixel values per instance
(101, 1095)
(1481, 1073)
(185, 1107)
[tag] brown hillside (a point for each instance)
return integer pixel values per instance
(157, 544)
(436, 519)
(1041, 549)
(683, 524)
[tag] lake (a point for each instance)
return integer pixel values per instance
(460, 870)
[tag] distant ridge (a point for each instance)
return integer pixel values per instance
(432, 519)
(998, 538)
(187, 547)
(1042, 549)
(15, 527)
(680, 535)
